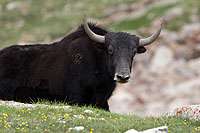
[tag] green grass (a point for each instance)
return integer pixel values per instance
(60, 120)
(39, 21)
(143, 21)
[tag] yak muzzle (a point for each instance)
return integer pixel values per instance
(122, 77)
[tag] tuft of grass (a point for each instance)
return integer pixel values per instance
(13, 119)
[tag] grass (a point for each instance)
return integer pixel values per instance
(143, 21)
(36, 21)
(61, 120)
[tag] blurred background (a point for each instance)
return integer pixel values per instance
(165, 77)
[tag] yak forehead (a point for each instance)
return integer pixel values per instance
(122, 40)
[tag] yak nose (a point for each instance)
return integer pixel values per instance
(122, 77)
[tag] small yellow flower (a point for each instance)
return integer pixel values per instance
(4, 114)
(121, 118)
(17, 128)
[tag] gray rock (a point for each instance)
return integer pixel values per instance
(161, 59)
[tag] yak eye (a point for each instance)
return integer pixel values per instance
(110, 49)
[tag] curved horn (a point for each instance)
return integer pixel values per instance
(149, 40)
(91, 34)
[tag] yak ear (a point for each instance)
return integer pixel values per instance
(141, 49)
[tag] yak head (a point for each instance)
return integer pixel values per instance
(121, 48)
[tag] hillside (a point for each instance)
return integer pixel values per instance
(58, 117)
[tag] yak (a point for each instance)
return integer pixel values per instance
(82, 68)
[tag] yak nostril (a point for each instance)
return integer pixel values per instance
(121, 77)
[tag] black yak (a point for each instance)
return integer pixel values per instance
(82, 68)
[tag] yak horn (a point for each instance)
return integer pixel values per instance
(91, 34)
(149, 40)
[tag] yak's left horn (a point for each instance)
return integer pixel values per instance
(91, 34)
(149, 40)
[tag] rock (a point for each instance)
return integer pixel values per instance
(186, 87)
(163, 129)
(193, 29)
(121, 96)
(16, 4)
(165, 34)
(79, 128)
(173, 13)
(194, 64)
(132, 131)
(191, 112)
(161, 59)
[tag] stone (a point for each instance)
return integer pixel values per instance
(191, 112)
(173, 13)
(163, 129)
(161, 59)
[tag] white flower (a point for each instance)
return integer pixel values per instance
(79, 116)
(90, 118)
(101, 119)
(88, 111)
(61, 122)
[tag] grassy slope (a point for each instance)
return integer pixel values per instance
(60, 120)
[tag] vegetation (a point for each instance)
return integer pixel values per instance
(36, 21)
(63, 120)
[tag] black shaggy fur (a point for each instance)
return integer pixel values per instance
(71, 70)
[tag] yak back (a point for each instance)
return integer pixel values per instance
(68, 68)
